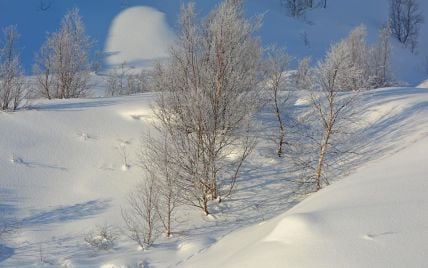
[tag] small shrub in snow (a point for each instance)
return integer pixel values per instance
(141, 218)
(102, 238)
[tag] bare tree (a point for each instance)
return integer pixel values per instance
(156, 159)
(62, 65)
(12, 81)
(405, 20)
(295, 8)
(334, 75)
(277, 63)
(209, 96)
(141, 218)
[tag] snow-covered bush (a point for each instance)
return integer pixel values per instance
(102, 238)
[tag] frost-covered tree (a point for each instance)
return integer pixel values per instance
(117, 80)
(122, 80)
(208, 98)
(277, 62)
(381, 59)
(157, 160)
(12, 81)
(304, 74)
(405, 19)
(358, 51)
(62, 65)
(141, 218)
(333, 107)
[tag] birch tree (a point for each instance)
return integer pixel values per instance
(208, 98)
(62, 65)
(381, 59)
(276, 64)
(332, 104)
(12, 81)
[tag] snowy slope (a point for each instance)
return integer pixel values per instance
(375, 217)
(62, 174)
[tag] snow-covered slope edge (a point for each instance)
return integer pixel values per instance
(376, 217)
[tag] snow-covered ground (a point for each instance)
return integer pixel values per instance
(376, 217)
(62, 175)
(63, 170)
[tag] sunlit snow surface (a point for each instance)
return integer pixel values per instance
(62, 174)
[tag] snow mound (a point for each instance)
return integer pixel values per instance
(292, 228)
(138, 35)
(187, 248)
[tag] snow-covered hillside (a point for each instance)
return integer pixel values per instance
(374, 218)
(68, 167)
(63, 173)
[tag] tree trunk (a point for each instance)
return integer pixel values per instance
(321, 160)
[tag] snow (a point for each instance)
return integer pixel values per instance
(138, 35)
(63, 167)
(372, 218)
(63, 173)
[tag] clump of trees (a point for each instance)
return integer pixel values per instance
(12, 80)
(405, 20)
(122, 80)
(208, 95)
(62, 65)
(216, 79)
(351, 65)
